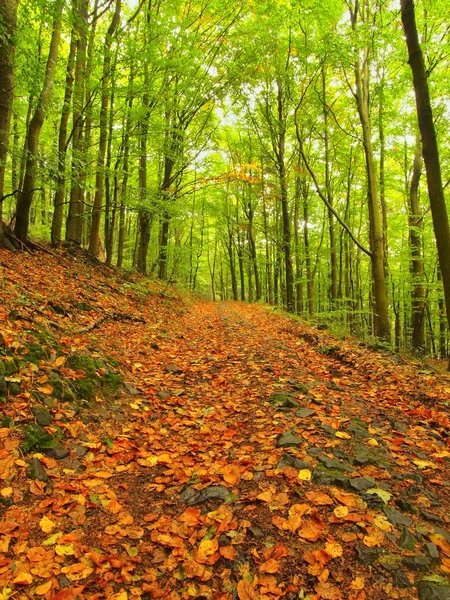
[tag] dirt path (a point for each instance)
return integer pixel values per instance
(365, 518)
(248, 456)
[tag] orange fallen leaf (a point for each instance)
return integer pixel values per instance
(228, 552)
(270, 566)
(319, 498)
(43, 589)
(245, 590)
(103, 474)
(191, 516)
(24, 579)
(206, 549)
(327, 591)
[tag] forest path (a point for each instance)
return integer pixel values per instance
(247, 455)
(314, 446)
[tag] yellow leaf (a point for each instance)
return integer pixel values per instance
(64, 549)
(334, 549)
(341, 511)
(52, 539)
(23, 579)
(46, 524)
(372, 442)
(358, 583)
(59, 361)
(423, 464)
(343, 435)
(207, 548)
(6, 593)
(304, 475)
(119, 596)
(43, 589)
(7, 492)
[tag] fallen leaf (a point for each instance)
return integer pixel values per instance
(327, 591)
(43, 589)
(304, 475)
(245, 590)
(46, 524)
(270, 566)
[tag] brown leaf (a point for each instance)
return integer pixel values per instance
(327, 591)
(245, 590)
(270, 566)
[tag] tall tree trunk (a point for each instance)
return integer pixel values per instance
(58, 202)
(286, 221)
(309, 271)
(430, 147)
(74, 223)
(416, 243)
(381, 312)
(331, 231)
(100, 174)
(25, 197)
(298, 264)
(126, 166)
(8, 20)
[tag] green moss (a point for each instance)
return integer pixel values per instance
(81, 362)
(84, 388)
(112, 381)
(35, 353)
(7, 422)
(36, 438)
(14, 389)
(10, 367)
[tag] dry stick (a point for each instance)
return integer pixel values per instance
(113, 317)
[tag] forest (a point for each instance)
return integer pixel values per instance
(278, 151)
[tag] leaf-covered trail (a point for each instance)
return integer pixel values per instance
(248, 456)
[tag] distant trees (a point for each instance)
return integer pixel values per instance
(263, 151)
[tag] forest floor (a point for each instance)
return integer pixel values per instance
(155, 446)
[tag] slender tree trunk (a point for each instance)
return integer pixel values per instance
(74, 224)
(332, 236)
(58, 213)
(289, 272)
(126, 166)
(144, 215)
(298, 268)
(309, 271)
(267, 247)
(381, 313)
(100, 175)
(429, 146)
(416, 243)
(8, 20)
(25, 197)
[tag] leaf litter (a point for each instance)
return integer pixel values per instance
(171, 483)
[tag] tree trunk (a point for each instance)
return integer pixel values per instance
(286, 221)
(126, 166)
(332, 236)
(25, 197)
(100, 175)
(8, 20)
(430, 147)
(58, 213)
(74, 223)
(416, 243)
(381, 312)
